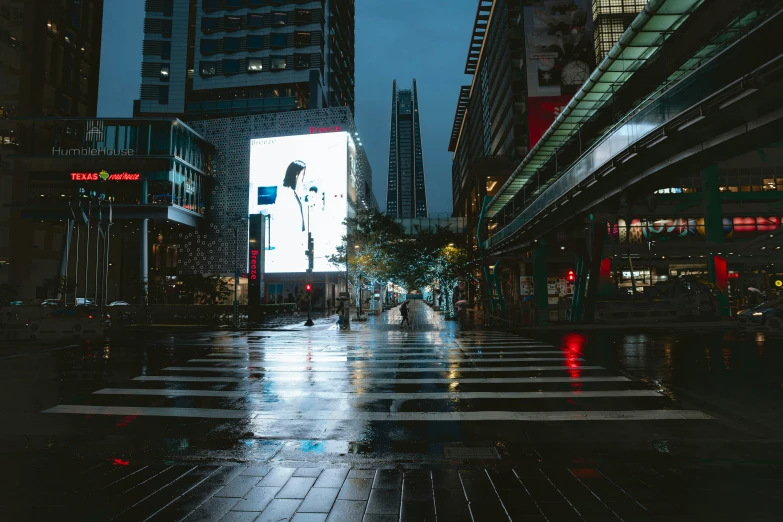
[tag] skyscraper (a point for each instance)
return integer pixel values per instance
(220, 58)
(406, 195)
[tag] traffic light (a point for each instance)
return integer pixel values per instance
(308, 288)
(570, 277)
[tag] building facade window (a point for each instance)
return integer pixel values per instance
(208, 68)
(301, 60)
(163, 94)
(254, 65)
(255, 21)
(208, 46)
(231, 44)
(165, 50)
(210, 5)
(255, 42)
(164, 72)
(233, 4)
(277, 40)
(303, 16)
(279, 19)
(209, 25)
(277, 63)
(232, 23)
(302, 39)
(166, 28)
(230, 66)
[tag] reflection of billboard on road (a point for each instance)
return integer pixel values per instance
(300, 183)
(560, 58)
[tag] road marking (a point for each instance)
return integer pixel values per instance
(209, 413)
(315, 360)
(456, 380)
(307, 394)
(380, 370)
(289, 356)
(383, 353)
(315, 415)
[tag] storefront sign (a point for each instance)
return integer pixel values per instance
(320, 130)
(58, 151)
(256, 247)
(105, 176)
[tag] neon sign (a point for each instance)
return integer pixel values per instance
(253, 264)
(104, 176)
(319, 130)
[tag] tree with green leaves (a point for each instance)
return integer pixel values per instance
(368, 253)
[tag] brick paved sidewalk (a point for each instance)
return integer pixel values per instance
(116, 490)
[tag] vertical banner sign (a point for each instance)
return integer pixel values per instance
(255, 261)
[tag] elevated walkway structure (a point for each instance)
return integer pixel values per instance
(691, 83)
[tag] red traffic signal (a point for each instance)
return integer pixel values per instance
(308, 288)
(571, 277)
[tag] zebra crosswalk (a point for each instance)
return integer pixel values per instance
(305, 382)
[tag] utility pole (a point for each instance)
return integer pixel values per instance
(308, 283)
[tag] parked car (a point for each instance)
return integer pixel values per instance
(118, 303)
(767, 315)
(51, 302)
(15, 303)
(81, 301)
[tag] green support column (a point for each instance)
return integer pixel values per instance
(717, 268)
(540, 284)
(576, 298)
(487, 286)
(598, 230)
(499, 286)
(713, 211)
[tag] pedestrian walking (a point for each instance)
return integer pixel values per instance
(404, 314)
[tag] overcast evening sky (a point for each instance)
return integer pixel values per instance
(399, 39)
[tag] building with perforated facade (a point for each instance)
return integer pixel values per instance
(213, 246)
(221, 58)
(406, 195)
(610, 20)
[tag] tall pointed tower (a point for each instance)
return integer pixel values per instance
(407, 194)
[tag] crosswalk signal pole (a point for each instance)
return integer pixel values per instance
(308, 284)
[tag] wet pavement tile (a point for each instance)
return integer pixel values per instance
(239, 486)
(257, 498)
(384, 501)
(319, 500)
(296, 487)
(213, 509)
(277, 477)
(331, 478)
(279, 509)
(240, 516)
(451, 505)
(387, 479)
(347, 511)
(355, 489)
(307, 472)
(309, 517)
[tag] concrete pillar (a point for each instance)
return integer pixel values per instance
(540, 284)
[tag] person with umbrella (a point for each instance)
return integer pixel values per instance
(462, 313)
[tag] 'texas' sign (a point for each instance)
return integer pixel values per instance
(105, 176)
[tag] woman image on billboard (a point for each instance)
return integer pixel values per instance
(289, 207)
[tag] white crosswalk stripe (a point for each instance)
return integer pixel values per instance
(286, 379)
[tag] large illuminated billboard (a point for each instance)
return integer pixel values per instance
(300, 183)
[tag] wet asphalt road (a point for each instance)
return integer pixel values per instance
(384, 396)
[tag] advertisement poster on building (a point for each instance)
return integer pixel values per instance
(300, 184)
(525, 286)
(560, 58)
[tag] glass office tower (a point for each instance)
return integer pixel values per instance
(406, 195)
